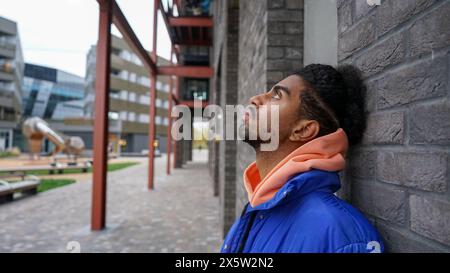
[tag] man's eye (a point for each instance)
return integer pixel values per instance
(276, 94)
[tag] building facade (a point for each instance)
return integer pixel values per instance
(11, 70)
(50, 93)
(399, 175)
(129, 97)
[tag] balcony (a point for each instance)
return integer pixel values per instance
(7, 87)
(190, 24)
(194, 7)
(8, 42)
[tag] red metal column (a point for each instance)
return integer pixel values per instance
(151, 125)
(169, 127)
(100, 156)
(177, 96)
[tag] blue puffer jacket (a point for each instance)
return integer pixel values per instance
(304, 216)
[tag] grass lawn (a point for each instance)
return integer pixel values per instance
(118, 166)
(48, 184)
(7, 154)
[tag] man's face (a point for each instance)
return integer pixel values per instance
(286, 96)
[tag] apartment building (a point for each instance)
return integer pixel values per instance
(11, 69)
(129, 98)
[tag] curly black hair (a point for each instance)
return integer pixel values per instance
(335, 98)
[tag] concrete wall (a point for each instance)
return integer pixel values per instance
(399, 177)
(320, 38)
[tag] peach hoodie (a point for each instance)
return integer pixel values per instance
(324, 153)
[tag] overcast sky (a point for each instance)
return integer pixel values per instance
(59, 33)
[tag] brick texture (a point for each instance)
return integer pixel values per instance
(225, 61)
(399, 176)
(270, 48)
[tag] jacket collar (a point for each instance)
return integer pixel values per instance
(325, 153)
(301, 185)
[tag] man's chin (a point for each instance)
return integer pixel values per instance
(256, 144)
(251, 139)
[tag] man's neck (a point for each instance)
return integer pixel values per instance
(267, 160)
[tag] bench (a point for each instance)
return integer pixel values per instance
(51, 169)
(27, 186)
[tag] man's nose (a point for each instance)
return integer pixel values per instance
(258, 100)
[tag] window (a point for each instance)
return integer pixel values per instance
(124, 95)
(135, 59)
(123, 115)
(125, 55)
(145, 81)
(123, 75)
(158, 85)
(143, 118)
(166, 88)
(113, 115)
(131, 116)
(158, 103)
(132, 97)
(158, 120)
(114, 93)
(115, 72)
(144, 99)
(132, 77)
(196, 89)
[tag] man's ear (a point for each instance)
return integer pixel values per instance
(304, 131)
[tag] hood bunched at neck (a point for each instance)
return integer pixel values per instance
(325, 153)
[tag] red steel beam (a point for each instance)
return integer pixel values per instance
(187, 71)
(176, 98)
(130, 37)
(190, 22)
(98, 216)
(152, 110)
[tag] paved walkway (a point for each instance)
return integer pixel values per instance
(180, 215)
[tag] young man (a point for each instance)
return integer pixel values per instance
(292, 206)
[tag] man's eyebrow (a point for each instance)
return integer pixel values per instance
(284, 88)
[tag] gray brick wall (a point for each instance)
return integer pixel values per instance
(270, 48)
(252, 76)
(400, 175)
(179, 154)
(225, 60)
(256, 44)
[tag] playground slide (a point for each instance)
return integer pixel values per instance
(35, 129)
